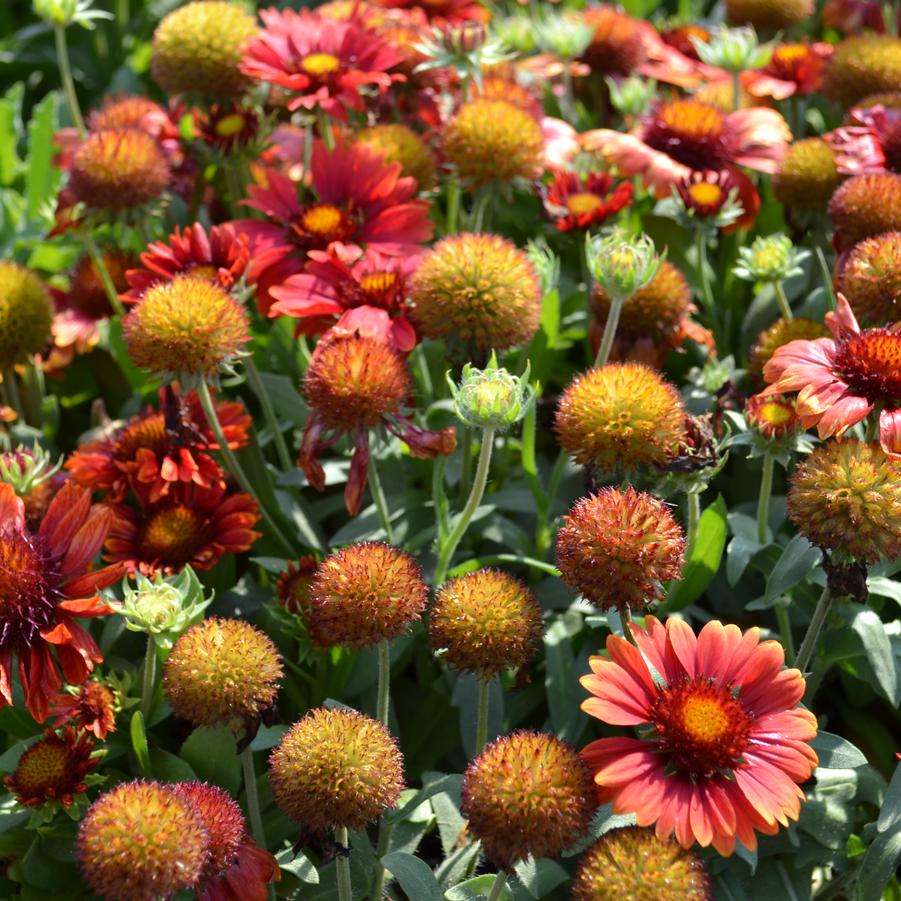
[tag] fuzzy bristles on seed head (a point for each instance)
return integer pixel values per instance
(140, 840)
(493, 140)
(197, 49)
(400, 144)
(846, 497)
(485, 622)
(353, 381)
(293, 585)
(118, 169)
(188, 325)
(479, 291)
(527, 794)
(861, 65)
(25, 314)
(616, 548)
(364, 594)
(222, 671)
(866, 205)
(335, 768)
(632, 864)
(618, 45)
(775, 336)
(808, 176)
(870, 279)
(222, 819)
(769, 15)
(623, 415)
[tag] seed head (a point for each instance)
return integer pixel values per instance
(769, 15)
(25, 314)
(861, 65)
(870, 279)
(866, 205)
(221, 817)
(400, 144)
(808, 176)
(778, 334)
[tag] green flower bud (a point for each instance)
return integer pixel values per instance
(622, 267)
(769, 259)
(491, 398)
(631, 96)
(465, 48)
(564, 36)
(734, 49)
(546, 263)
(65, 12)
(164, 608)
(26, 468)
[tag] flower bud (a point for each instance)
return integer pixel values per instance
(622, 267)
(26, 468)
(769, 259)
(65, 12)
(564, 36)
(491, 398)
(631, 96)
(733, 49)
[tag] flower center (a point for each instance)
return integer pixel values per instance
(27, 598)
(172, 536)
(319, 64)
(323, 223)
(705, 194)
(871, 364)
(692, 133)
(230, 125)
(786, 59)
(582, 203)
(378, 282)
(776, 413)
(148, 432)
(45, 770)
(701, 726)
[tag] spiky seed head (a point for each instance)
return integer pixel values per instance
(808, 176)
(400, 144)
(866, 205)
(861, 65)
(25, 314)
(870, 279)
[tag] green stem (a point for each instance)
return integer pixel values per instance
(703, 278)
(497, 889)
(381, 504)
(785, 631)
(784, 306)
(149, 680)
(482, 715)
(253, 798)
(567, 106)
(809, 644)
(736, 90)
(446, 552)
(325, 129)
(234, 467)
(112, 295)
(439, 499)
(694, 520)
(422, 368)
(545, 532)
(386, 827)
(452, 220)
(12, 393)
(481, 207)
(342, 864)
(625, 617)
(826, 275)
(610, 326)
(259, 389)
(65, 74)
(763, 499)
(384, 689)
(466, 461)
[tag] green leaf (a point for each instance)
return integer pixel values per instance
(871, 630)
(540, 877)
(414, 876)
(41, 176)
(268, 737)
(561, 681)
(213, 756)
(798, 560)
(442, 784)
(479, 887)
(879, 864)
(170, 768)
(10, 123)
(890, 812)
(704, 560)
(139, 744)
(298, 865)
(9, 760)
(837, 753)
(739, 554)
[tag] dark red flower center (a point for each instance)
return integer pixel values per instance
(50, 768)
(871, 364)
(692, 133)
(173, 535)
(320, 224)
(701, 726)
(27, 593)
(146, 432)
(384, 290)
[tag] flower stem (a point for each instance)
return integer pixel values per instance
(11, 391)
(736, 91)
(112, 295)
(381, 504)
(703, 280)
(482, 715)
(763, 500)
(625, 617)
(567, 106)
(446, 552)
(809, 644)
(785, 631)
(342, 864)
(384, 685)
(65, 75)
(497, 889)
(325, 129)
(826, 276)
(610, 326)
(149, 680)
(784, 306)
(386, 827)
(694, 519)
(234, 467)
(452, 220)
(256, 385)
(253, 798)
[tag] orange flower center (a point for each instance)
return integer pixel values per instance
(322, 223)
(702, 726)
(692, 133)
(378, 282)
(871, 364)
(208, 272)
(45, 769)
(230, 125)
(26, 592)
(146, 432)
(173, 535)
(319, 64)
(582, 203)
(789, 54)
(705, 194)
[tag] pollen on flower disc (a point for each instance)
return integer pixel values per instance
(870, 279)
(222, 818)
(769, 15)
(866, 205)
(861, 65)
(53, 768)
(126, 112)
(632, 864)
(485, 622)
(527, 794)
(353, 381)
(25, 314)
(808, 176)
(363, 594)
(222, 671)
(478, 290)
(846, 496)
(118, 169)
(777, 335)
(186, 325)
(197, 49)
(334, 768)
(400, 144)
(622, 415)
(140, 840)
(493, 140)
(616, 548)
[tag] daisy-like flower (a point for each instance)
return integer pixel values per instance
(358, 199)
(156, 450)
(841, 380)
(190, 525)
(46, 584)
(726, 740)
(346, 278)
(320, 62)
(575, 201)
(220, 255)
(869, 141)
(92, 708)
(441, 11)
(792, 69)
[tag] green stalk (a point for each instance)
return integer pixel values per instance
(90, 245)
(809, 644)
(784, 306)
(325, 128)
(785, 631)
(11, 390)
(259, 389)
(65, 75)
(253, 798)
(439, 499)
(694, 520)
(381, 504)
(452, 219)
(706, 291)
(498, 888)
(736, 90)
(149, 679)
(826, 276)
(482, 716)
(342, 864)
(625, 617)
(384, 684)
(610, 326)
(446, 552)
(386, 827)
(763, 500)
